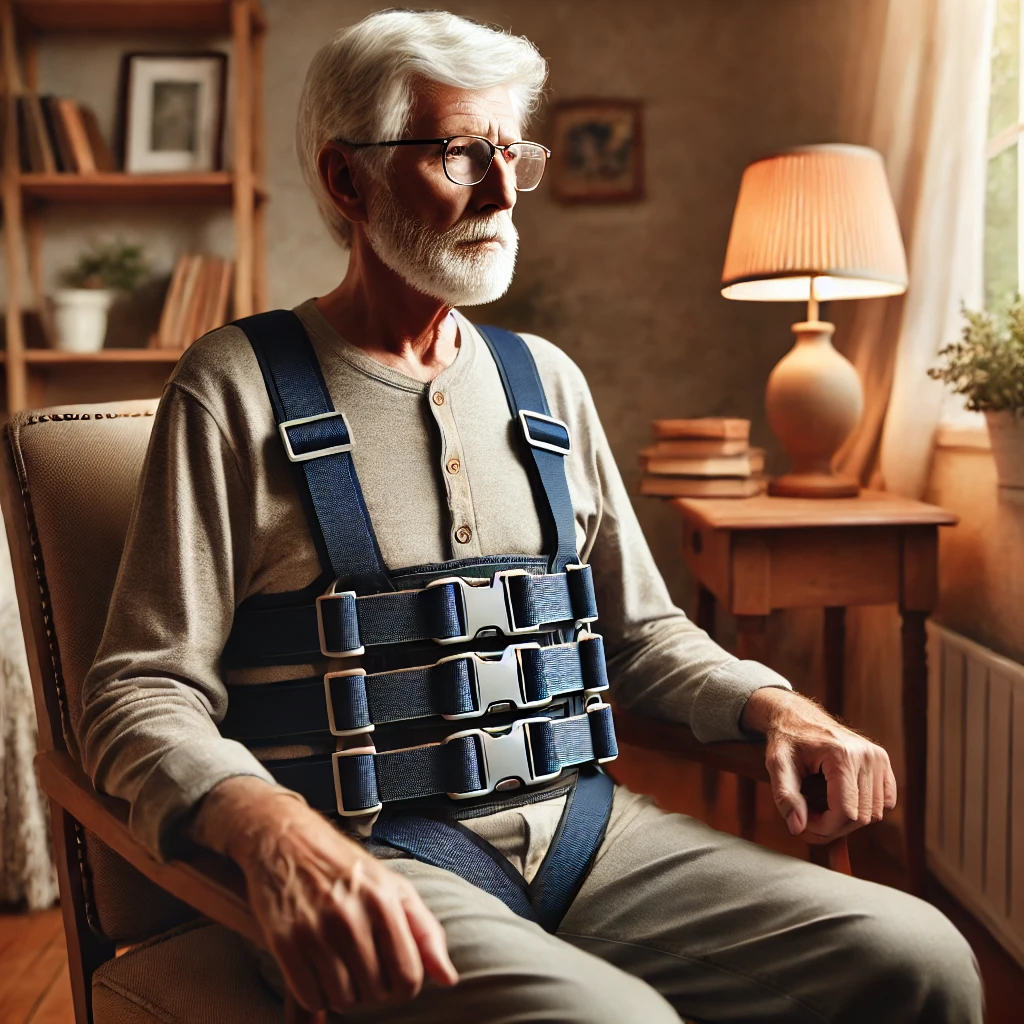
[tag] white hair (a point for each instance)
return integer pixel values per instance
(359, 86)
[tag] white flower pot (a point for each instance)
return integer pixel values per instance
(1006, 432)
(80, 315)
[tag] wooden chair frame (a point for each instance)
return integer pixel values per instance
(211, 884)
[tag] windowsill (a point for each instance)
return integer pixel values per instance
(963, 438)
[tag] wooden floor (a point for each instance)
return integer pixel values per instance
(34, 986)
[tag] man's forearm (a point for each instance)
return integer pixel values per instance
(236, 813)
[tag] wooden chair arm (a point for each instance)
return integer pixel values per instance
(745, 759)
(211, 884)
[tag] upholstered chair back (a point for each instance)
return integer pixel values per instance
(70, 475)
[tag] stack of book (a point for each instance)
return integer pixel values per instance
(196, 301)
(58, 135)
(702, 458)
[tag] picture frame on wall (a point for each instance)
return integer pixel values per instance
(597, 151)
(173, 111)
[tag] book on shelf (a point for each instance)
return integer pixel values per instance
(748, 463)
(196, 302)
(715, 428)
(71, 115)
(698, 448)
(57, 135)
(697, 487)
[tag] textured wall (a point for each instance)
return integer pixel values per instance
(629, 291)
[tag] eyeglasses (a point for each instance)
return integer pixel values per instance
(467, 158)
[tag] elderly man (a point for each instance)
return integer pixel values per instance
(351, 642)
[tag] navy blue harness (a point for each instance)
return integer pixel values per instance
(513, 701)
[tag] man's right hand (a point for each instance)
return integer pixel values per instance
(344, 928)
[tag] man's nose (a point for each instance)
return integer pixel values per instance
(497, 190)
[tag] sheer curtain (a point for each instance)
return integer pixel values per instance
(26, 868)
(927, 116)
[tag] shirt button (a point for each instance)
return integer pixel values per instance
(454, 465)
(438, 398)
(463, 534)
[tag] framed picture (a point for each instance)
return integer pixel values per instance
(597, 151)
(173, 111)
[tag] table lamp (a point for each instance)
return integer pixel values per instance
(814, 224)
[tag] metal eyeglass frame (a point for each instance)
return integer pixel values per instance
(444, 152)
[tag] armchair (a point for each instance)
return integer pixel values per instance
(67, 481)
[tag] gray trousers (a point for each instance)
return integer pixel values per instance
(678, 920)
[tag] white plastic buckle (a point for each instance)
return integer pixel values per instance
(304, 456)
(506, 757)
(496, 681)
(339, 799)
(485, 606)
(525, 416)
(330, 703)
(333, 595)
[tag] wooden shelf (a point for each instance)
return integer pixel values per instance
(51, 356)
(130, 15)
(118, 187)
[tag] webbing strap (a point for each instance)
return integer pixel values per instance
(465, 685)
(444, 611)
(337, 513)
(455, 848)
(540, 436)
(469, 763)
(546, 900)
(573, 849)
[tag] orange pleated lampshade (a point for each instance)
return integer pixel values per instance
(822, 212)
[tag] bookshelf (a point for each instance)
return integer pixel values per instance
(37, 375)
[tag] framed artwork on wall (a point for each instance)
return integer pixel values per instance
(597, 151)
(173, 111)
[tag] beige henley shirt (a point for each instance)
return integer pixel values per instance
(218, 518)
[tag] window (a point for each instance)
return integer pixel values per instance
(1004, 214)
(1003, 221)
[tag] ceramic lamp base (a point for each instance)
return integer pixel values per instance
(813, 485)
(813, 402)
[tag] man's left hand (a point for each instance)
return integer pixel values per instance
(802, 739)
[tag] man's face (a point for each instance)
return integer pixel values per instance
(453, 242)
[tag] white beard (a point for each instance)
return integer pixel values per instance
(435, 263)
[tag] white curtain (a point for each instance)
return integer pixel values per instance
(927, 116)
(26, 869)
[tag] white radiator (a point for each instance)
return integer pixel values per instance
(975, 823)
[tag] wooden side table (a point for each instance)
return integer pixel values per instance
(758, 554)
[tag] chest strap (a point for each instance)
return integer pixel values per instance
(451, 610)
(470, 763)
(464, 686)
(318, 442)
(545, 440)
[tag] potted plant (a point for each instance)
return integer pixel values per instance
(986, 366)
(80, 308)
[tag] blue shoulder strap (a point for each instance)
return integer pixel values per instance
(546, 441)
(318, 442)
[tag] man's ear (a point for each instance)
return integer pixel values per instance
(342, 181)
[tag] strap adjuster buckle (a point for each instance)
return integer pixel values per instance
(332, 721)
(335, 595)
(506, 757)
(338, 795)
(294, 456)
(485, 607)
(548, 445)
(497, 681)
(594, 704)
